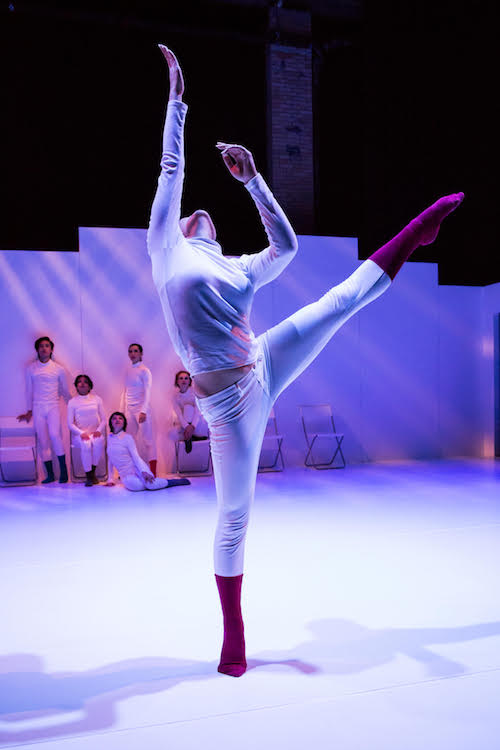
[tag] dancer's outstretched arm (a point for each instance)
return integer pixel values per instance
(164, 229)
(269, 263)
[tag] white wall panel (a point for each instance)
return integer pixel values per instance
(409, 376)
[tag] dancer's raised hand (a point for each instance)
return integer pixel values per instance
(238, 160)
(175, 74)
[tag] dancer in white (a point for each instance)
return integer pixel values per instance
(46, 382)
(86, 422)
(136, 403)
(206, 300)
(188, 421)
(124, 458)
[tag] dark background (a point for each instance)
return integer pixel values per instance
(405, 109)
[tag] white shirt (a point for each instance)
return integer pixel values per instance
(86, 414)
(45, 382)
(137, 394)
(123, 455)
(207, 297)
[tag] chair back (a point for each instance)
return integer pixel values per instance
(317, 419)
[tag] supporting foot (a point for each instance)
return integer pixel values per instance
(232, 658)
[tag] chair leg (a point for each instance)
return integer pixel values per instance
(309, 452)
(326, 464)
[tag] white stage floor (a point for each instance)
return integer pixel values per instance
(371, 602)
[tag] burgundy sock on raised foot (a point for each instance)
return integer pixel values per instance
(232, 658)
(421, 231)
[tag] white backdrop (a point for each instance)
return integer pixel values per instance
(408, 377)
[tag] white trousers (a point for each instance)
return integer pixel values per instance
(91, 450)
(142, 432)
(47, 424)
(134, 483)
(237, 416)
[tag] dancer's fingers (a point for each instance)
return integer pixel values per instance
(234, 147)
(228, 161)
(168, 55)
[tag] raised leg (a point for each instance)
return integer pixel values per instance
(423, 230)
(295, 342)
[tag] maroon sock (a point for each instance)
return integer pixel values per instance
(232, 659)
(152, 466)
(421, 231)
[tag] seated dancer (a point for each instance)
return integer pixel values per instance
(124, 458)
(86, 422)
(46, 381)
(206, 300)
(187, 415)
(136, 404)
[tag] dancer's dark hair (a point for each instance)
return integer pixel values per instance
(121, 414)
(181, 372)
(85, 377)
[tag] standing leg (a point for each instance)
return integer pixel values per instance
(43, 441)
(132, 423)
(54, 424)
(237, 418)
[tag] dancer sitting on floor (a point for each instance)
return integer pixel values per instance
(188, 422)
(206, 300)
(46, 382)
(86, 422)
(124, 458)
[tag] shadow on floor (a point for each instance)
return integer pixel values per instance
(47, 700)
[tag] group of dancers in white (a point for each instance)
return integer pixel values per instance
(236, 377)
(46, 382)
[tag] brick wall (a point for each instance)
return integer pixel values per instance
(290, 132)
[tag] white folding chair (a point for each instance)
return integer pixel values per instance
(17, 452)
(319, 430)
(271, 457)
(77, 470)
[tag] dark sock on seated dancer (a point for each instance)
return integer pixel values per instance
(421, 231)
(232, 659)
(178, 482)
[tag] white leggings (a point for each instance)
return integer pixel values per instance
(135, 483)
(237, 416)
(142, 432)
(47, 424)
(91, 451)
